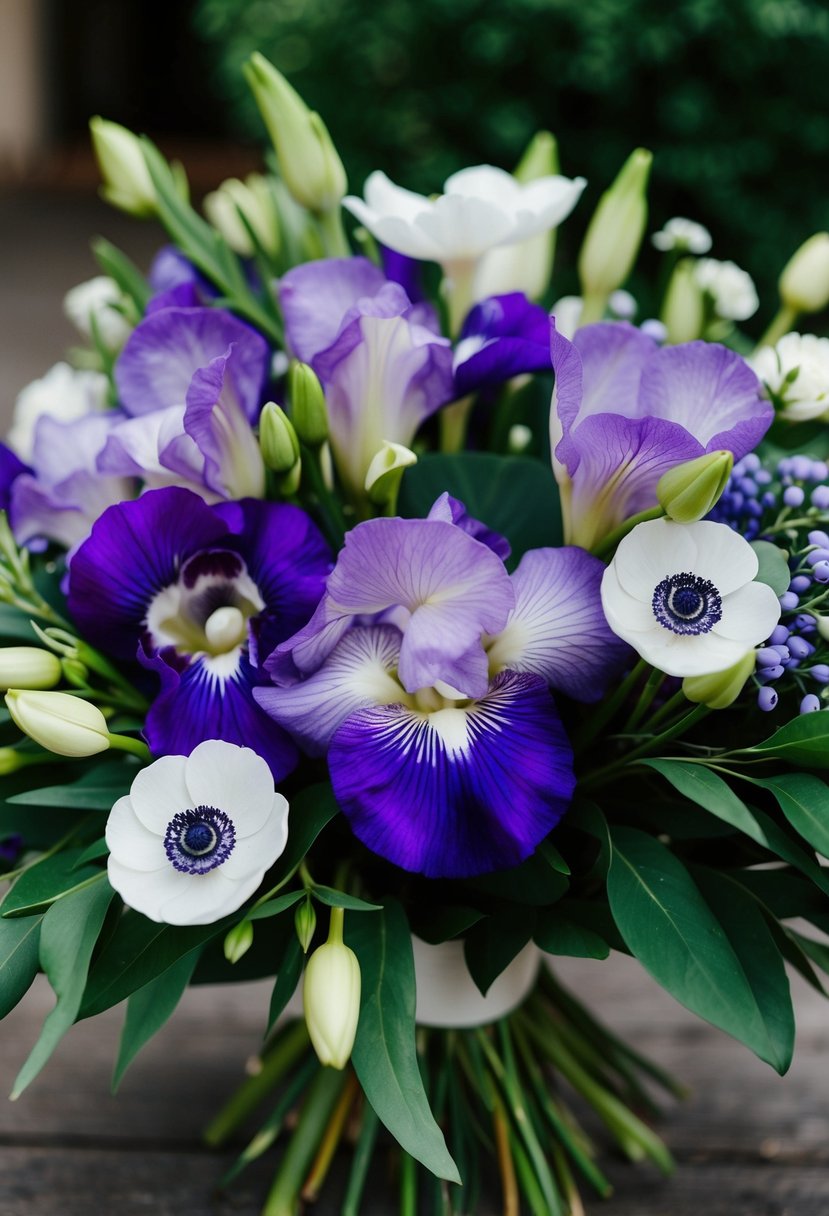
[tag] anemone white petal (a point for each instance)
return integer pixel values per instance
(749, 614)
(651, 552)
(232, 779)
(159, 792)
(723, 556)
(130, 841)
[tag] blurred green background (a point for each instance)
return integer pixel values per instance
(730, 95)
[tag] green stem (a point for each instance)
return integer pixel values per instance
(270, 1129)
(593, 308)
(645, 698)
(333, 233)
(666, 710)
(453, 422)
(650, 745)
(323, 1095)
(280, 1059)
(136, 747)
(606, 546)
(330, 509)
(782, 323)
(361, 1162)
(408, 1184)
(599, 719)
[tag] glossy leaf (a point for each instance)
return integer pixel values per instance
(556, 933)
(802, 741)
(48, 880)
(149, 1008)
(804, 800)
(385, 1057)
(774, 567)
(287, 979)
(493, 943)
(19, 946)
(339, 899)
(97, 790)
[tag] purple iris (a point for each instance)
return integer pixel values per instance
(625, 411)
(502, 337)
(198, 594)
(11, 467)
(425, 676)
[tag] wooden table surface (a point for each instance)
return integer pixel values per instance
(747, 1143)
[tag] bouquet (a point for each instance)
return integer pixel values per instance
(371, 625)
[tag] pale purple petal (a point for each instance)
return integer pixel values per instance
(163, 353)
(215, 420)
(452, 511)
(458, 792)
(316, 296)
(558, 628)
(709, 390)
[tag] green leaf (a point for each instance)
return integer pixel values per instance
(124, 271)
(513, 495)
(671, 930)
(555, 933)
(385, 1057)
(19, 945)
(311, 809)
(68, 935)
(16, 624)
(818, 952)
(774, 566)
(804, 800)
(48, 880)
(338, 899)
(149, 1008)
(94, 852)
(803, 741)
(287, 978)
(493, 943)
(709, 791)
(587, 817)
(747, 931)
(97, 790)
(277, 905)
(533, 882)
(443, 922)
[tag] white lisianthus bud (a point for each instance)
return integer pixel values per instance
(28, 667)
(721, 689)
(804, 283)
(93, 308)
(305, 924)
(308, 161)
(59, 722)
(277, 439)
(688, 492)
(331, 996)
(127, 183)
(616, 229)
(385, 473)
(683, 311)
(252, 199)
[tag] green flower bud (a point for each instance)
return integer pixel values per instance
(308, 161)
(385, 472)
(305, 923)
(721, 689)
(540, 158)
(822, 626)
(11, 760)
(252, 199)
(683, 309)
(127, 183)
(308, 408)
(28, 667)
(238, 941)
(615, 232)
(75, 672)
(331, 996)
(59, 722)
(277, 439)
(804, 283)
(689, 491)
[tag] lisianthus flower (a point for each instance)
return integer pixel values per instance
(625, 411)
(796, 375)
(730, 288)
(684, 596)
(196, 593)
(482, 208)
(95, 308)
(64, 393)
(682, 235)
(425, 677)
(195, 835)
(190, 381)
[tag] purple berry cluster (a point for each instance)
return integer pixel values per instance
(783, 505)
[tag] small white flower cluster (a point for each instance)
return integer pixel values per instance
(686, 236)
(796, 375)
(94, 308)
(64, 393)
(731, 289)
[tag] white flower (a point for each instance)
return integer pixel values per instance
(685, 235)
(796, 372)
(98, 300)
(683, 596)
(63, 393)
(193, 838)
(731, 289)
(567, 313)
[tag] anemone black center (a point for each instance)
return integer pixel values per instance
(199, 840)
(687, 604)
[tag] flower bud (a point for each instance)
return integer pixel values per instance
(127, 183)
(689, 491)
(385, 473)
(28, 667)
(683, 309)
(308, 161)
(615, 232)
(331, 996)
(305, 923)
(308, 409)
(721, 689)
(804, 283)
(238, 941)
(822, 626)
(59, 722)
(11, 760)
(277, 439)
(237, 204)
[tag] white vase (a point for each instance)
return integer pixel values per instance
(447, 996)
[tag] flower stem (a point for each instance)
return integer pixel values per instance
(282, 1056)
(453, 422)
(333, 233)
(599, 719)
(506, 1165)
(136, 747)
(322, 1099)
(361, 1162)
(650, 745)
(782, 323)
(606, 546)
(331, 1138)
(645, 698)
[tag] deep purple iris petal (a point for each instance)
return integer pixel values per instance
(459, 792)
(11, 466)
(134, 550)
(406, 271)
(558, 629)
(194, 704)
(355, 675)
(183, 295)
(709, 390)
(452, 511)
(316, 296)
(288, 559)
(502, 337)
(163, 353)
(170, 269)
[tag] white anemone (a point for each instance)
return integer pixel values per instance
(684, 596)
(195, 835)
